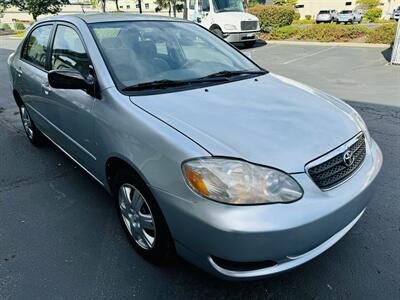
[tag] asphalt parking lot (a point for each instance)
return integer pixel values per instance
(60, 237)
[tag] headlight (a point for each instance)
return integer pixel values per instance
(229, 27)
(238, 182)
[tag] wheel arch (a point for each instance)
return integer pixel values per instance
(215, 26)
(116, 163)
(17, 98)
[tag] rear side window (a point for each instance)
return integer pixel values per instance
(35, 50)
(68, 51)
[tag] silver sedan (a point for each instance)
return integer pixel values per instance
(240, 171)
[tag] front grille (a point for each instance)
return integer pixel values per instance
(249, 25)
(335, 170)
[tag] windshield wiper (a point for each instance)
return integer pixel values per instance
(165, 83)
(227, 73)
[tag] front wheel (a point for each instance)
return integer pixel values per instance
(32, 132)
(142, 218)
(217, 32)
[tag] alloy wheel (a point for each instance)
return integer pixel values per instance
(137, 216)
(26, 121)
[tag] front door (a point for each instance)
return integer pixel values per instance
(205, 11)
(73, 108)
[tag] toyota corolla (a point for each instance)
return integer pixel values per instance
(240, 171)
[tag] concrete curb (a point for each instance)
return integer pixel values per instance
(331, 44)
(14, 38)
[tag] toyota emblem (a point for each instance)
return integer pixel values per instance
(348, 158)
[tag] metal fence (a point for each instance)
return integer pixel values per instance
(396, 48)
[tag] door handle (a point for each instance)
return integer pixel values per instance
(46, 88)
(19, 71)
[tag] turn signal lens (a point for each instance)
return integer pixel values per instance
(196, 182)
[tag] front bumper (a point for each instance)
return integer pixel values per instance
(240, 37)
(287, 234)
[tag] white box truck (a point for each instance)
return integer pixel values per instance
(225, 18)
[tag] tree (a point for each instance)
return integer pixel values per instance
(172, 5)
(366, 4)
(163, 4)
(36, 7)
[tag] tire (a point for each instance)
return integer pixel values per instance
(32, 132)
(217, 32)
(142, 218)
(249, 44)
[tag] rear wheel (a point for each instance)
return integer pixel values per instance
(34, 135)
(142, 218)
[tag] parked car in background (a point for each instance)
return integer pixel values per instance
(158, 111)
(326, 16)
(349, 17)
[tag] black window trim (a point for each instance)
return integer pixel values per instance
(73, 27)
(26, 41)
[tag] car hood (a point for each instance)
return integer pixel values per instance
(273, 121)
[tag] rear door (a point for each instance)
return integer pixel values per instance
(72, 109)
(32, 70)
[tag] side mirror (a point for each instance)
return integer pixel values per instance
(198, 20)
(71, 80)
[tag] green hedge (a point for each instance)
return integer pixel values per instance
(19, 26)
(284, 33)
(5, 26)
(384, 34)
(273, 16)
(372, 14)
(306, 22)
(332, 32)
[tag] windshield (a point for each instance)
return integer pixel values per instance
(148, 51)
(346, 12)
(324, 12)
(228, 5)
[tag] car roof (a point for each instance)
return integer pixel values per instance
(111, 17)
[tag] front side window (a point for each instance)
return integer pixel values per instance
(68, 51)
(35, 50)
(147, 51)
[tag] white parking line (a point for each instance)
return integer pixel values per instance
(306, 56)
